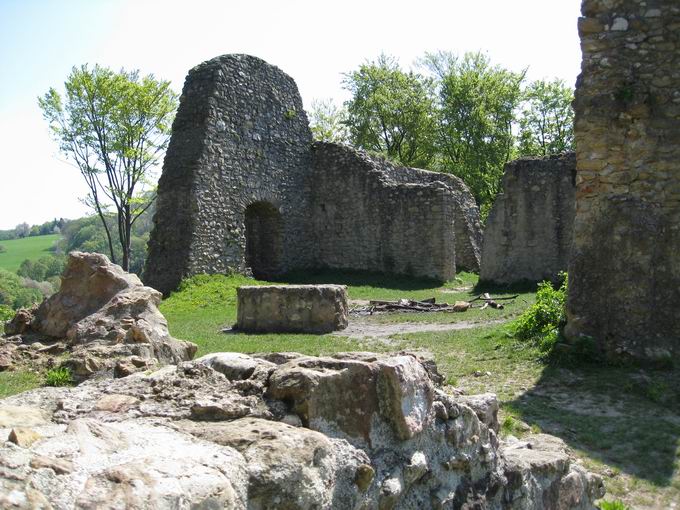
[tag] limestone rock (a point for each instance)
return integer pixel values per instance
(23, 436)
(104, 314)
(364, 437)
(288, 467)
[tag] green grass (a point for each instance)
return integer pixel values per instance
(18, 250)
(12, 383)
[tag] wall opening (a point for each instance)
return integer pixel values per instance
(264, 232)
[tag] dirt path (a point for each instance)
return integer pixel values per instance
(363, 329)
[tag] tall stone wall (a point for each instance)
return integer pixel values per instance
(625, 269)
(528, 231)
(467, 225)
(240, 138)
(366, 220)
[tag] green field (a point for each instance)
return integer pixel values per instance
(18, 250)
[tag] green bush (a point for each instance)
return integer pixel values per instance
(6, 313)
(42, 269)
(2, 249)
(14, 294)
(60, 376)
(613, 505)
(542, 322)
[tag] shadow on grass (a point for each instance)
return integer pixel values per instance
(522, 287)
(359, 279)
(626, 417)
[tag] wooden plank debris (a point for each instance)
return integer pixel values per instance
(429, 305)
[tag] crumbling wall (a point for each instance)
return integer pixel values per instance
(625, 269)
(528, 231)
(366, 220)
(240, 190)
(467, 226)
(240, 137)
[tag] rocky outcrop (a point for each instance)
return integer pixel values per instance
(101, 316)
(288, 431)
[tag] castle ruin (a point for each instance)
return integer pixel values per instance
(244, 187)
(624, 273)
(528, 232)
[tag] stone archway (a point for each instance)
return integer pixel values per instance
(264, 243)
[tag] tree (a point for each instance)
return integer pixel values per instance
(115, 127)
(477, 103)
(547, 119)
(327, 122)
(22, 230)
(390, 112)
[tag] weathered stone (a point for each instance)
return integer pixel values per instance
(529, 229)
(624, 274)
(104, 314)
(244, 188)
(292, 308)
(23, 436)
(405, 395)
(144, 440)
(21, 416)
(236, 366)
(542, 461)
(288, 467)
(486, 407)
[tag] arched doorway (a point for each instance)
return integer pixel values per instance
(264, 230)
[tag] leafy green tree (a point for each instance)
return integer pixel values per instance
(115, 127)
(477, 103)
(14, 294)
(391, 112)
(327, 122)
(547, 119)
(22, 230)
(43, 268)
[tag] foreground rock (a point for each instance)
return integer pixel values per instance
(353, 431)
(292, 308)
(102, 316)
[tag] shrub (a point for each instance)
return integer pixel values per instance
(14, 294)
(542, 322)
(613, 505)
(60, 376)
(6, 313)
(2, 249)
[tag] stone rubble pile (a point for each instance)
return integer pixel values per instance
(283, 430)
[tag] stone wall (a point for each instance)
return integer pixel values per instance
(528, 231)
(243, 189)
(625, 269)
(366, 220)
(240, 138)
(467, 226)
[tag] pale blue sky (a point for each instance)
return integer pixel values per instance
(313, 41)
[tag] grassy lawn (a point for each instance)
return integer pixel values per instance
(18, 250)
(622, 422)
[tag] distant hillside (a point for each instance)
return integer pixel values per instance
(17, 250)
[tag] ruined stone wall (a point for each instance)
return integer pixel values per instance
(241, 137)
(468, 229)
(366, 220)
(528, 231)
(625, 269)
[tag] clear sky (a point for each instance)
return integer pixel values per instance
(313, 41)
